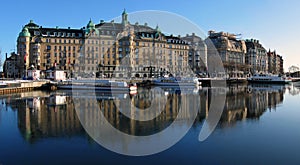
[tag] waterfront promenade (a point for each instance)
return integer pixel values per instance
(14, 86)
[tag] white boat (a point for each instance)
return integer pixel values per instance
(177, 81)
(3, 84)
(268, 78)
(103, 85)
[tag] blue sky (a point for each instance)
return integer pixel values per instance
(275, 23)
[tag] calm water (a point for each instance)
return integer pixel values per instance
(259, 125)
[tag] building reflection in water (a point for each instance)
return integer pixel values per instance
(43, 114)
(47, 115)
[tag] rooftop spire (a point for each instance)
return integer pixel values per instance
(124, 17)
(124, 11)
(157, 28)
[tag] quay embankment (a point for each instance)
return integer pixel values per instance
(15, 86)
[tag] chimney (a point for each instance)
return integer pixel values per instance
(211, 32)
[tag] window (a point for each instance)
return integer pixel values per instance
(73, 35)
(36, 33)
(48, 47)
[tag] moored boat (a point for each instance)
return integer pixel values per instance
(268, 78)
(102, 85)
(177, 81)
(3, 84)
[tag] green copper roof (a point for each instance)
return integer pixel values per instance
(157, 28)
(24, 33)
(90, 24)
(91, 27)
(124, 12)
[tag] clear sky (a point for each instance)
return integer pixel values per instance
(274, 22)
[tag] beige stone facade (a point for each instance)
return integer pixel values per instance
(107, 49)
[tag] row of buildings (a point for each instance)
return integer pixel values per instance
(111, 49)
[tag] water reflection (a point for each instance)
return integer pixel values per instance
(250, 102)
(42, 114)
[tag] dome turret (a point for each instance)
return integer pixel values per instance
(24, 33)
(91, 27)
(91, 24)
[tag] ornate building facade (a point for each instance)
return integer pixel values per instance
(107, 49)
(45, 48)
(126, 50)
(232, 51)
(275, 62)
(256, 56)
(197, 53)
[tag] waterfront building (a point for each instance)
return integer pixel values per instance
(137, 50)
(122, 49)
(256, 56)
(11, 66)
(232, 51)
(197, 57)
(45, 48)
(102, 50)
(275, 62)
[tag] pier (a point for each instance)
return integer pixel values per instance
(16, 86)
